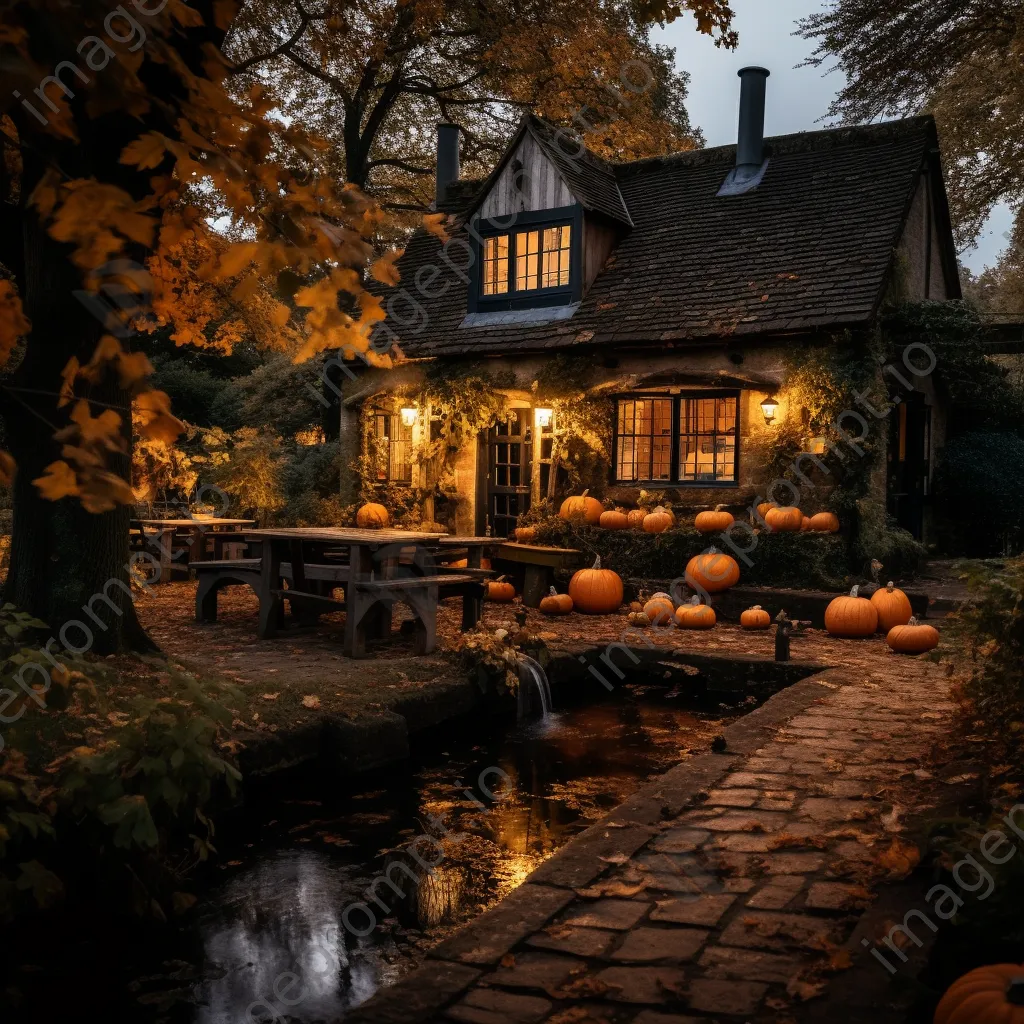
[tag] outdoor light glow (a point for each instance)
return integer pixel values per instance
(769, 407)
(408, 417)
(544, 417)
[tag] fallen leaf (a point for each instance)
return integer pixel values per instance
(271, 696)
(508, 960)
(311, 700)
(805, 990)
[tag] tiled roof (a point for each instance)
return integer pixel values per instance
(809, 248)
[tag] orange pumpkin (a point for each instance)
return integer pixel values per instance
(765, 507)
(581, 509)
(784, 519)
(805, 525)
(500, 590)
(913, 638)
(373, 517)
(987, 995)
(755, 618)
(695, 615)
(596, 591)
(658, 521)
(463, 563)
(614, 520)
(526, 534)
(556, 603)
(825, 522)
(713, 522)
(892, 605)
(712, 571)
(635, 517)
(851, 615)
(659, 609)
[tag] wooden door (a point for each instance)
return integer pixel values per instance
(509, 471)
(908, 460)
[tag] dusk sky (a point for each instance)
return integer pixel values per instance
(798, 97)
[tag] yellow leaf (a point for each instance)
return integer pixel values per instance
(8, 467)
(58, 481)
(13, 322)
(68, 375)
(154, 417)
(385, 271)
(131, 368)
(146, 152)
(434, 223)
(237, 257)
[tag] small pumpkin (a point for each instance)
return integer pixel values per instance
(463, 563)
(614, 520)
(635, 517)
(659, 609)
(851, 616)
(913, 638)
(805, 526)
(373, 517)
(892, 605)
(658, 521)
(580, 508)
(555, 603)
(784, 519)
(596, 591)
(712, 571)
(636, 606)
(525, 534)
(696, 615)
(825, 522)
(713, 522)
(755, 618)
(765, 507)
(993, 994)
(500, 590)
(638, 619)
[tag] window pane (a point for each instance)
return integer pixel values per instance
(527, 259)
(495, 269)
(555, 269)
(707, 439)
(644, 449)
(391, 449)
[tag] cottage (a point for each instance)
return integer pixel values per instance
(639, 325)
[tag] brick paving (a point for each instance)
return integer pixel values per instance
(725, 891)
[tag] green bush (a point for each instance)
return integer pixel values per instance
(980, 488)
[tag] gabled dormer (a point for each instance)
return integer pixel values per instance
(541, 226)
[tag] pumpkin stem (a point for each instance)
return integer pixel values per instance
(552, 592)
(695, 600)
(585, 493)
(597, 562)
(1015, 992)
(889, 586)
(913, 621)
(718, 508)
(755, 608)
(855, 591)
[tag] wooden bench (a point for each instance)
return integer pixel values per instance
(540, 563)
(367, 604)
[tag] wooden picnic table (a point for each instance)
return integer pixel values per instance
(371, 585)
(539, 562)
(195, 531)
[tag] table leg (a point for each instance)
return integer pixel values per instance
(196, 546)
(355, 626)
(166, 545)
(537, 580)
(271, 607)
(474, 556)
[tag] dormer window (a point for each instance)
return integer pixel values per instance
(532, 263)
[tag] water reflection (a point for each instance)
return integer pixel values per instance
(272, 936)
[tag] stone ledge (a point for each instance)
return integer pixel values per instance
(417, 997)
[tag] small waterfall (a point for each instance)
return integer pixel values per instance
(531, 672)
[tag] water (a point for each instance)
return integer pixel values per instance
(271, 919)
(533, 678)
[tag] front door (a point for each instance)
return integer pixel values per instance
(509, 469)
(908, 459)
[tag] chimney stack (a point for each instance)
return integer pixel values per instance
(750, 162)
(447, 158)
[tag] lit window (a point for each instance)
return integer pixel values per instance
(527, 253)
(391, 448)
(542, 258)
(555, 265)
(496, 265)
(687, 438)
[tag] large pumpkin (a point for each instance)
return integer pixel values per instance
(892, 605)
(695, 615)
(635, 517)
(373, 517)
(556, 603)
(658, 521)
(755, 618)
(913, 638)
(580, 508)
(500, 590)
(986, 995)
(614, 520)
(851, 616)
(659, 609)
(784, 519)
(712, 571)
(825, 522)
(596, 591)
(713, 522)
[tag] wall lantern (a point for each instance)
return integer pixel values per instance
(769, 407)
(408, 417)
(544, 417)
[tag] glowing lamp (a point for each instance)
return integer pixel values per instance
(544, 417)
(769, 407)
(408, 417)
